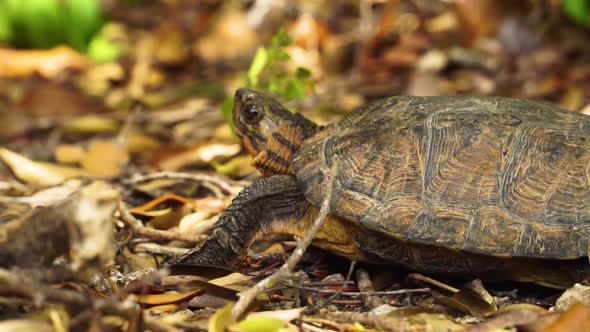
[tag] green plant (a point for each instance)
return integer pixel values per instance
(268, 71)
(578, 11)
(48, 23)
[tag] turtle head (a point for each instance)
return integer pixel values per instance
(269, 131)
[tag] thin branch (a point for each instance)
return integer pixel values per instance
(393, 292)
(138, 228)
(247, 297)
(433, 282)
(336, 293)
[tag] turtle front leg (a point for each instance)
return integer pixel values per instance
(259, 209)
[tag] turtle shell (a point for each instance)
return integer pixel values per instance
(494, 176)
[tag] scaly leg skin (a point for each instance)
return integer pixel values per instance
(271, 205)
(258, 209)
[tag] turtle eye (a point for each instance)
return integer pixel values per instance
(252, 114)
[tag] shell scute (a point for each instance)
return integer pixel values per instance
(493, 176)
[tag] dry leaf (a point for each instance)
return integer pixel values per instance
(148, 300)
(48, 63)
(577, 293)
(91, 124)
(69, 153)
(436, 322)
(105, 159)
(29, 171)
(196, 223)
(163, 308)
(467, 301)
(231, 279)
(19, 325)
(576, 318)
(238, 35)
(202, 154)
(284, 316)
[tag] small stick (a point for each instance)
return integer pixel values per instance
(393, 292)
(336, 293)
(138, 228)
(285, 271)
(436, 283)
(365, 285)
(154, 248)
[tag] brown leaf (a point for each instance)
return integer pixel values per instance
(48, 63)
(149, 300)
(68, 153)
(507, 318)
(105, 159)
(163, 308)
(576, 318)
(467, 301)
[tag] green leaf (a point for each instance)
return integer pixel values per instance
(257, 66)
(261, 324)
(42, 24)
(221, 319)
(5, 24)
(578, 10)
(302, 73)
(83, 20)
(295, 89)
(101, 49)
(226, 109)
(281, 39)
(281, 55)
(48, 23)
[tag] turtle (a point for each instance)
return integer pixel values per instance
(490, 187)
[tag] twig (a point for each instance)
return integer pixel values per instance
(436, 283)
(138, 228)
(365, 285)
(158, 249)
(247, 297)
(206, 179)
(335, 294)
(393, 292)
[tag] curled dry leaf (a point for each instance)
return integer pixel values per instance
(48, 196)
(467, 302)
(29, 171)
